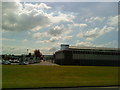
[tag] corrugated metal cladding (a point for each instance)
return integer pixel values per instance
(88, 57)
(93, 57)
(59, 55)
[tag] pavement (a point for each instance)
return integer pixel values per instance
(41, 63)
(68, 88)
(45, 63)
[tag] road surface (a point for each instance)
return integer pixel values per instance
(78, 88)
(44, 63)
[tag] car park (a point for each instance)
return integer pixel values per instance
(23, 63)
(6, 62)
(0, 61)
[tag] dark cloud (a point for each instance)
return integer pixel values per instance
(57, 30)
(53, 49)
(16, 18)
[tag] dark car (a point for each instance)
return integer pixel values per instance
(23, 63)
(6, 62)
(0, 61)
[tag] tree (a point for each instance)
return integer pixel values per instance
(37, 53)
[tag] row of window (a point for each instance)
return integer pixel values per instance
(94, 52)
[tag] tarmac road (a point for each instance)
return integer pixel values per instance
(44, 63)
(78, 88)
(41, 63)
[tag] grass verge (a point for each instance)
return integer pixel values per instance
(28, 76)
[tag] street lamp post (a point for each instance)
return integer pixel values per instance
(27, 50)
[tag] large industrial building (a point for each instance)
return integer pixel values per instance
(88, 56)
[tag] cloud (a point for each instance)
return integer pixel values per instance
(53, 49)
(25, 40)
(28, 16)
(51, 40)
(67, 37)
(110, 20)
(95, 33)
(55, 39)
(78, 25)
(61, 17)
(94, 19)
(55, 34)
(84, 44)
(7, 39)
(111, 44)
(48, 25)
(113, 21)
(30, 6)
(57, 30)
(17, 50)
(39, 35)
(50, 49)
(17, 17)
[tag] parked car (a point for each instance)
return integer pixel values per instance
(6, 62)
(0, 61)
(23, 63)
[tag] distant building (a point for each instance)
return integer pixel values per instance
(89, 56)
(64, 46)
(48, 57)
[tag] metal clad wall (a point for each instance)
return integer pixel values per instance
(87, 57)
(59, 56)
(94, 57)
(68, 58)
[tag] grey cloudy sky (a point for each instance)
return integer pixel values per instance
(46, 25)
